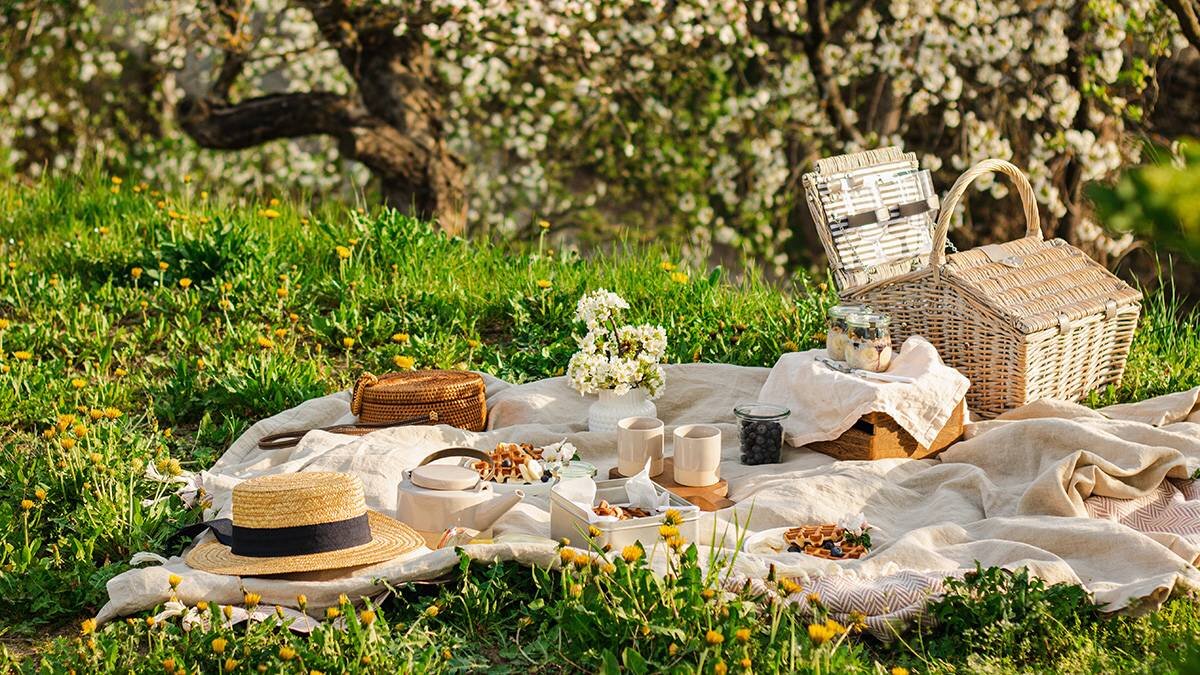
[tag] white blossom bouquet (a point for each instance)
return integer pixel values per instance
(619, 358)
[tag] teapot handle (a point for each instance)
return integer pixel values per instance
(457, 452)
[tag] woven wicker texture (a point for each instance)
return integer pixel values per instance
(1024, 320)
(457, 397)
(903, 243)
(291, 500)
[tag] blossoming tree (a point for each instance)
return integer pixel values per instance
(697, 116)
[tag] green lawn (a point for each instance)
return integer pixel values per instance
(239, 312)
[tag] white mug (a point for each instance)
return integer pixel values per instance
(697, 455)
(639, 439)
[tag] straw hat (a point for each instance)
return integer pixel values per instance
(301, 522)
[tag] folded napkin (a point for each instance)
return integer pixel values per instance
(825, 403)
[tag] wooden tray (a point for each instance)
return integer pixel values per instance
(707, 497)
(877, 436)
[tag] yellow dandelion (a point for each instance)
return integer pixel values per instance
(742, 635)
(667, 531)
(712, 637)
(116, 180)
(201, 364)
(26, 504)
(265, 343)
(899, 670)
(269, 214)
(40, 493)
(231, 664)
(80, 430)
(672, 517)
(608, 568)
(472, 344)
(112, 413)
(576, 590)
(22, 355)
(347, 342)
(185, 283)
(87, 626)
(342, 252)
(367, 617)
(203, 194)
(293, 317)
(332, 612)
(544, 224)
(150, 621)
(287, 653)
(168, 664)
(95, 413)
(4, 324)
(431, 611)
(400, 338)
(672, 649)
(720, 668)
(67, 443)
(120, 372)
(78, 383)
(281, 292)
(301, 601)
(631, 553)
(251, 599)
(96, 458)
(679, 277)
(814, 598)
(544, 283)
(102, 230)
(273, 202)
(819, 633)
(163, 265)
(667, 266)
(594, 531)
(174, 580)
(566, 555)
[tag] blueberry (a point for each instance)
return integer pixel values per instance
(545, 476)
(828, 544)
(795, 549)
(836, 552)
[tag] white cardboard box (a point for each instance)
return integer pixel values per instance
(569, 521)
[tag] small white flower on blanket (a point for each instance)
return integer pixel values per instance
(854, 524)
(562, 451)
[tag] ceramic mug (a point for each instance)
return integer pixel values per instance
(697, 455)
(639, 439)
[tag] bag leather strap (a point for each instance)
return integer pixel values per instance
(286, 439)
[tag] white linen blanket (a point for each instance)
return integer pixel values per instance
(1099, 498)
(826, 403)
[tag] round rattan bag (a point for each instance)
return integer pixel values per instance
(456, 396)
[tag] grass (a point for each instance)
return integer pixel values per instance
(242, 310)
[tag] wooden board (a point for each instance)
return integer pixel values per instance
(707, 497)
(877, 436)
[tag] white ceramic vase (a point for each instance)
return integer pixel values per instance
(611, 408)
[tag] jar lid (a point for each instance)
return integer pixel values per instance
(761, 412)
(445, 477)
(846, 309)
(868, 319)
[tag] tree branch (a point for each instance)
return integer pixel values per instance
(219, 125)
(831, 94)
(1189, 23)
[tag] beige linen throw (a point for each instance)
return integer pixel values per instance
(1099, 498)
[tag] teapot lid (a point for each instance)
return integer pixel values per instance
(445, 477)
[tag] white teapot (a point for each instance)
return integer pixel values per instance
(434, 497)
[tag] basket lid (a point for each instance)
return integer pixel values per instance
(416, 387)
(874, 212)
(1036, 284)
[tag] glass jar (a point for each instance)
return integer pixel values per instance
(760, 432)
(870, 341)
(837, 341)
(575, 469)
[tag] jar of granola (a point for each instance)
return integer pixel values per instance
(870, 341)
(837, 341)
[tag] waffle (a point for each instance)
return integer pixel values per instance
(810, 537)
(512, 463)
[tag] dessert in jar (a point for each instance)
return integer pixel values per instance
(870, 341)
(837, 341)
(761, 432)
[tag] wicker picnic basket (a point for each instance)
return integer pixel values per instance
(456, 396)
(1024, 320)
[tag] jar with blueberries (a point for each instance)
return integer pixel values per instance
(760, 432)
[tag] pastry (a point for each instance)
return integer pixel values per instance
(822, 541)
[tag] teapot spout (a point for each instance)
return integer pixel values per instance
(490, 511)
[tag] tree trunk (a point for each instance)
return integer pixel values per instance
(393, 125)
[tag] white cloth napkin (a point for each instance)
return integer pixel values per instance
(825, 403)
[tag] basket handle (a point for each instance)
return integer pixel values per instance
(1033, 222)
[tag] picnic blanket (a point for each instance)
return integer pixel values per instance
(1098, 498)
